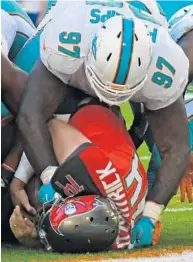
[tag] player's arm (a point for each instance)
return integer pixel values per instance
(170, 130)
(43, 94)
(186, 43)
(13, 80)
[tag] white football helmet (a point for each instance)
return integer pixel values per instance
(181, 22)
(151, 7)
(118, 62)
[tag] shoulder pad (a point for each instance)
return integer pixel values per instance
(181, 22)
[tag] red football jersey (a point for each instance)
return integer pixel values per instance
(113, 164)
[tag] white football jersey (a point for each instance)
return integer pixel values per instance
(153, 8)
(66, 39)
(8, 31)
(189, 108)
(167, 74)
(181, 22)
(15, 30)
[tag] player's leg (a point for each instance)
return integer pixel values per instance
(139, 132)
(154, 165)
(190, 123)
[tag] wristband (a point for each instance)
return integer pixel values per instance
(153, 210)
(47, 174)
(6, 174)
(24, 171)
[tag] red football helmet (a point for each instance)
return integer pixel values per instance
(79, 224)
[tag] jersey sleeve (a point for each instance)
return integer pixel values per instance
(167, 74)
(181, 23)
(61, 46)
(8, 31)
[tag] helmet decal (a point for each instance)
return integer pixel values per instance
(78, 224)
(125, 52)
(72, 207)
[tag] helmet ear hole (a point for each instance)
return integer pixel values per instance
(67, 240)
(103, 26)
(113, 232)
(136, 38)
(91, 219)
(76, 226)
(106, 219)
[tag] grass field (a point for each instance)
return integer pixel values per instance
(177, 234)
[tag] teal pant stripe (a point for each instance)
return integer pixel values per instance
(31, 51)
(18, 43)
(4, 110)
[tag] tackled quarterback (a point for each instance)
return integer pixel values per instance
(74, 181)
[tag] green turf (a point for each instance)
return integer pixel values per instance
(177, 228)
(177, 232)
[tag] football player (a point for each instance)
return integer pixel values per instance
(79, 224)
(96, 156)
(140, 66)
(16, 28)
(31, 49)
(181, 30)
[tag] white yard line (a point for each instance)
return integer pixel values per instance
(144, 157)
(186, 256)
(182, 209)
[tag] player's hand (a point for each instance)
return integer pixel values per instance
(46, 193)
(146, 232)
(19, 196)
(23, 229)
(186, 188)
